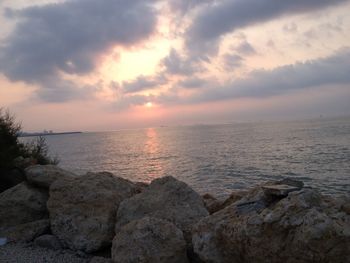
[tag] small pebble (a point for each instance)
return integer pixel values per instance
(3, 241)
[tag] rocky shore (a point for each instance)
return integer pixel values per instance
(57, 216)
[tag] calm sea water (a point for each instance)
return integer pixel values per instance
(218, 158)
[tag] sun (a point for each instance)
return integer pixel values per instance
(149, 104)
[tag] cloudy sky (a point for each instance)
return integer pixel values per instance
(111, 64)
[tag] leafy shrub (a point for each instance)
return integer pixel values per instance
(11, 147)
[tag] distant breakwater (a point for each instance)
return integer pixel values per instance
(25, 134)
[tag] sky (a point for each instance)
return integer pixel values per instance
(114, 64)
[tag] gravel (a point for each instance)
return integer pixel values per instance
(27, 253)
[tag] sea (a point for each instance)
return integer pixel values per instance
(217, 159)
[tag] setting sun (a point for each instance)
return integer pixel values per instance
(149, 104)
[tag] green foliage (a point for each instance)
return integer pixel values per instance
(11, 147)
(39, 151)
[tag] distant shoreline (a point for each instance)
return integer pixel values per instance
(46, 134)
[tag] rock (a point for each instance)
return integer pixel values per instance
(83, 209)
(165, 198)
(302, 227)
(22, 204)
(346, 208)
(45, 175)
(100, 260)
(211, 203)
(279, 190)
(141, 186)
(234, 197)
(149, 240)
(3, 241)
(48, 241)
(291, 182)
(25, 232)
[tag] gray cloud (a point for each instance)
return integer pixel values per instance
(232, 61)
(245, 48)
(228, 15)
(58, 90)
(175, 64)
(142, 83)
(183, 6)
(68, 37)
(192, 83)
(333, 70)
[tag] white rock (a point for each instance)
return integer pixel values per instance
(165, 198)
(149, 240)
(45, 175)
(22, 204)
(302, 227)
(83, 209)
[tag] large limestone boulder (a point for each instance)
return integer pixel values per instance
(22, 204)
(45, 175)
(302, 227)
(25, 232)
(149, 240)
(83, 209)
(165, 198)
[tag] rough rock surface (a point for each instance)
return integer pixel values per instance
(234, 197)
(83, 209)
(165, 198)
(149, 240)
(48, 241)
(45, 175)
(303, 227)
(211, 203)
(141, 186)
(100, 260)
(25, 232)
(281, 190)
(22, 204)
